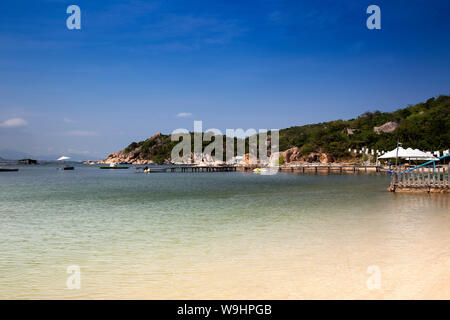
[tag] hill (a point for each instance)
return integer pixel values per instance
(425, 126)
(154, 149)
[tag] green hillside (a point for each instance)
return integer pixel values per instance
(425, 126)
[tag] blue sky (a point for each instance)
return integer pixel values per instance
(137, 67)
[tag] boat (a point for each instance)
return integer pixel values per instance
(260, 170)
(113, 166)
(155, 170)
(66, 168)
(8, 170)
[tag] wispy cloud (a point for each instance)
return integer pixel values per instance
(181, 32)
(67, 120)
(184, 115)
(81, 133)
(13, 123)
(138, 26)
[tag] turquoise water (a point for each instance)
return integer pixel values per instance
(209, 235)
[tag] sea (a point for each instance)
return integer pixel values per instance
(117, 234)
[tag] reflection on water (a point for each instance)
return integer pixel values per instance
(218, 235)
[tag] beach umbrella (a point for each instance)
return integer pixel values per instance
(63, 158)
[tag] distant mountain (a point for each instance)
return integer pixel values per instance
(14, 154)
(73, 157)
(8, 154)
(3, 161)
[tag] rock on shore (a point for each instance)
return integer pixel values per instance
(294, 155)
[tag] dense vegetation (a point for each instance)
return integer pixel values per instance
(425, 126)
(157, 148)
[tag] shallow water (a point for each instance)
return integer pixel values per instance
(218, 235)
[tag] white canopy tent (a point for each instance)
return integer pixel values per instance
(408, 154)
(429, 158)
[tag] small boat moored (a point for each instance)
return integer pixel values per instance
(113, 166)
(66, 168)
(9, 169)
(154, 170)
(151, 169)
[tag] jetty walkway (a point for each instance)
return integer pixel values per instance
(188, 169)
(246, 168)
(430, 180)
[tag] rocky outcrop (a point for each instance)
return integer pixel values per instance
(134, 157)
(320, 157)
(387, 127)
(326, 158)
(292, 155)
(246, 159)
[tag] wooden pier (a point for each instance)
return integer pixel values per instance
(304, 169)
(428, 180)
(325, 168)
(191, 169)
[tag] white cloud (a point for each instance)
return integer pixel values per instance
(67, 120)
(81, 133)
(184, 115)
(13, 123)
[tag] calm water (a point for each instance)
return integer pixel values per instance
(218, 235)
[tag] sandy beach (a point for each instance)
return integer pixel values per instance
(220, 236)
